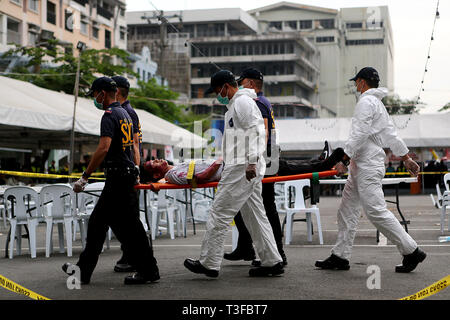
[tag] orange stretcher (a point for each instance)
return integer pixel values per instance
(313, 175)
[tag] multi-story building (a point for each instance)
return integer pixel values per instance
(231, 39)
(347, 39)
(98, 23)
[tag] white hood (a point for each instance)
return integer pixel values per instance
(378, 93)
(244, 92)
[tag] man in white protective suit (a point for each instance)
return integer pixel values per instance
(240, 185)
(371, 130)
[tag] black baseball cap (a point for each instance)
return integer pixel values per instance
(121, 82)
(367, 73)
(251, 73)
(102, 83)
(219, 79)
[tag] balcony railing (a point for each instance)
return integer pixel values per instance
(104, 13)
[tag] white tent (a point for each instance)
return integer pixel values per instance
(31, 116)
(418, 130)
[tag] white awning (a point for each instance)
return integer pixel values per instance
(25, 107)
(422, 130)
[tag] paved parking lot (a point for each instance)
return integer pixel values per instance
(300, 281)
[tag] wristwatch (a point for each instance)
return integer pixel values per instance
(346, 162)
(85, 175)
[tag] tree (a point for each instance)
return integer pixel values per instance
(444, 108)
(58, 60)
(395, 105)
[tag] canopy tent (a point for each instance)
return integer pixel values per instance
(421, 131)
(34, 117)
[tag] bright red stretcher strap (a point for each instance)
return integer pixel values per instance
(158, 186)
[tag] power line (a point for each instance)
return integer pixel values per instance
(436, 16)
(37, 74)
(165, 20)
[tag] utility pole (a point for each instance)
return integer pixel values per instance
(163, 20)
(80, 46)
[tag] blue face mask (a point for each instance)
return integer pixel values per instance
(241, 87)
(222, 100)
(97, 104)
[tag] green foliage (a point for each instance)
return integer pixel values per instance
(395, 105)
(444, 108)
(54, 58)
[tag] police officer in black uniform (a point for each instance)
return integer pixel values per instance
(118, 205)
(253, 79)
(123, 86)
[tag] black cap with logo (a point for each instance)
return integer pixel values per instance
(102, 83)
(250, 73)
(219, 79)
(121, 82)
(367, 73)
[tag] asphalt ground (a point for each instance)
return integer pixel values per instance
(301, 280)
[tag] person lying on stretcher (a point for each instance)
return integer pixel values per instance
(211, 170)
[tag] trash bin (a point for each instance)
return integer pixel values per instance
(416, 187)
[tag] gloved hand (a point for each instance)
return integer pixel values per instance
(250, 172)
(412, 167)
(341, 168)
(80, 184)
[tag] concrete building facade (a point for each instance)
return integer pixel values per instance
(347, 39)
(98, 23)
(231, 39)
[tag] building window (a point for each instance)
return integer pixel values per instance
(139, 72)
(13, 34)
(83, 27)
(275, 24)
(33, 5)
(68, 20)
(291, 25)
(326, 23)
(354, 25)
(122, 12)
(122, 35)
(149, 76)
(305, 24)
(324, 39)
(51, 12)
(363, 42)
(32, 38)
(107, 39)
(95, 32)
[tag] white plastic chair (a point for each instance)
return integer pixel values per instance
(60, 212)
(445, 206)
(85, 206)
(447, 181)
(22, 203)
(300, 207)
(3, 212)
(163, 207)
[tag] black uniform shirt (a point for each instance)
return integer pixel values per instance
(267, 113)
(136, 124)
(117, 124)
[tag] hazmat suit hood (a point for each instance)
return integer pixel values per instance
(243, 92)
(378, 93)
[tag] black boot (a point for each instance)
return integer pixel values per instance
(238, 254)
(196, 267)
(139, 278)
(410, 261)
(275, 270)
(333, 262)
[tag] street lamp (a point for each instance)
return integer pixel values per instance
(80, 46)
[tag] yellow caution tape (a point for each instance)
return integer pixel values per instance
(43, 175)
(232, 223)
(14, 287)
(429, 291)
(190, 174)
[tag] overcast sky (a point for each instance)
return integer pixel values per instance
(412, 22)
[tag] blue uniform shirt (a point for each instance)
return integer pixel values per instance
(117, 124)
(267, 113)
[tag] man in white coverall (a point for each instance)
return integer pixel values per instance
(240, 185)
(371, 129)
